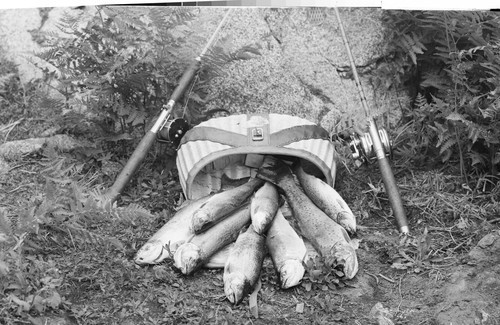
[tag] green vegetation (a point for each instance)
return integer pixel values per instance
(67, 257)
(450, 62)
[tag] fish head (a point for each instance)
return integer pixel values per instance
(235, 287)
(152, 252)
(291, 272)
(187, 258)
(261, 220)
(346, 256)
(201, 220)
(347, 220)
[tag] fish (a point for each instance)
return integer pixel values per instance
(263, 207)
(170, 236)
(221, 204)
(327, 199)
(193, 254)
(218, 260)
(243, 265)
(287, 250)
(329, 238)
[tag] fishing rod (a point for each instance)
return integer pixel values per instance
(147, 141)
(385, 168)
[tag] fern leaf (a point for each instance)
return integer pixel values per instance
(476, 158)
(79, 234)
(131, 213)
(443, 135)
(421, 102)
(448, 144)
(455, 117)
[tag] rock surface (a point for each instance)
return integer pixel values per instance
(298, 73)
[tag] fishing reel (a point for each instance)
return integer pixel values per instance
(362, 146)
(172, 131)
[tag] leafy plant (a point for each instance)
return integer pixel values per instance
(321, 274)
(69, 212)
(449, 61)
(124, 63)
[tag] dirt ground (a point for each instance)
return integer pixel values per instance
(447, 274)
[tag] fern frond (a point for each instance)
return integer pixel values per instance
(443, 136)
(82, 235)
(447, 144)
(131, 213)
(420, 102)
(491, 112)
(412, 45)
(476, 158)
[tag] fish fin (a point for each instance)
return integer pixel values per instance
(167, 247)
(252, 300)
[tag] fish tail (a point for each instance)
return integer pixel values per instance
(275, 173)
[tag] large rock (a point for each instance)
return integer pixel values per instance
(17, 42)
(302, 69)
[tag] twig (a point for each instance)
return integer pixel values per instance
(374, 276)
(400, 294)
(21, 240)
(20, 186)
(386, 278)
(72, 241)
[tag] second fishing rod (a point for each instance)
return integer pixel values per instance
(378, 148)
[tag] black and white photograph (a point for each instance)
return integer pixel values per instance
(232, 162)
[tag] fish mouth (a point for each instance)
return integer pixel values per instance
(150, 253)
(291, 273)
(187, 258)
(234, 288)
(345, 220)
(201, 221)
(346, 257)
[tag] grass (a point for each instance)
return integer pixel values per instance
(67, 259)
(82, 276)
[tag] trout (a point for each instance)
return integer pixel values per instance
(287, 251)
(218, 260)
(243, 265)
(221, 204)
(174, 232)
(193, 254)
(263, 207)
(327, 199)
(328, 237)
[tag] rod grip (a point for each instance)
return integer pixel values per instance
(393, 194)
(132, 165)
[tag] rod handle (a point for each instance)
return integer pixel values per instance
(393, 194)
(132, 165)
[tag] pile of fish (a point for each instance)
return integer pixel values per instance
(237, 228)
